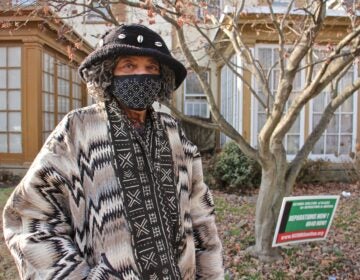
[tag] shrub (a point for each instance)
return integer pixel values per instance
(232, 170)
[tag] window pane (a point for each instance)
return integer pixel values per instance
(51, 103)
(193, 85)
(45, 101)
(67, 72)
(48, 121)
(265, 55)
(76, 91)
(3, 100)
(14, 121)
(203, 110)
(63, 105)
(52, 65)
(51, 84)
(261, 121)
(189, 109)
(45, 82)
(51, 122)
(14, 78)
(48, 63)
(3, 122)
(346, 123)
(332, 144)
(15, 143)
(2, 57)
(14, 100)
(3, 78)
(48, 103)
(3, 143)
(45, 62)
(345, 145)
(14, 57)
(63, 87)
(73, 75)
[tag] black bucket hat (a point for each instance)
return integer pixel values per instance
(134, 39)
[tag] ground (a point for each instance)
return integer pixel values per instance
(338, 256)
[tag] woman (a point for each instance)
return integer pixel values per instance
(117, 190)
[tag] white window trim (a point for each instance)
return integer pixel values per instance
(254, 103)
(189, 96)
(237, 94)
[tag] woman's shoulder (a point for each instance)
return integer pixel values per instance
(168, 120)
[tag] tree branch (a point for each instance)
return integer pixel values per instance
(189, 119)
(243, 51)
(319, 129)
(225, 127)
(247, 84)
(268, 132)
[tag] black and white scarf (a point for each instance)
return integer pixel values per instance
(145, 173)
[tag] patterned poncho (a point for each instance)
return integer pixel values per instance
(67, 218)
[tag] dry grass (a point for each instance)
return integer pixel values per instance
(337, 256)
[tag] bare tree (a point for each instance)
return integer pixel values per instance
(297, 31)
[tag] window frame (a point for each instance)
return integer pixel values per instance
(340, 157)
(254, 106)
(234, 91)
(58, 61)
(8, 111)
(199, 98)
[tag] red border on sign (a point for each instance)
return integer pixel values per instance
(300, 235)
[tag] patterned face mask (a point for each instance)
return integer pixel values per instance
(137, 91)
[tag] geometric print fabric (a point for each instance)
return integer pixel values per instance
(136, 91)
(145, 174)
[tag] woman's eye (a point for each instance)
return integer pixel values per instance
(129, 66)
(154, 68)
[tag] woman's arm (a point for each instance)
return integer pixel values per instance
(37, 220)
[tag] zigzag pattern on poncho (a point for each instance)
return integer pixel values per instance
(65, 220)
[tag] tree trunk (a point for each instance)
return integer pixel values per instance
(271, 193)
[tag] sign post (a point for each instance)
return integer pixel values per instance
(304, 218)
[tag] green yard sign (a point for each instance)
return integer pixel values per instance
(304, 218)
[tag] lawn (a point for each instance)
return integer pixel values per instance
(338, 256)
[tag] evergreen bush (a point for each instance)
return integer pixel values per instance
(232, 170)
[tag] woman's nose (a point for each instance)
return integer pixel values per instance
(141, 71)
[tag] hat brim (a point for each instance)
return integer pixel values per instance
(112, 51)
